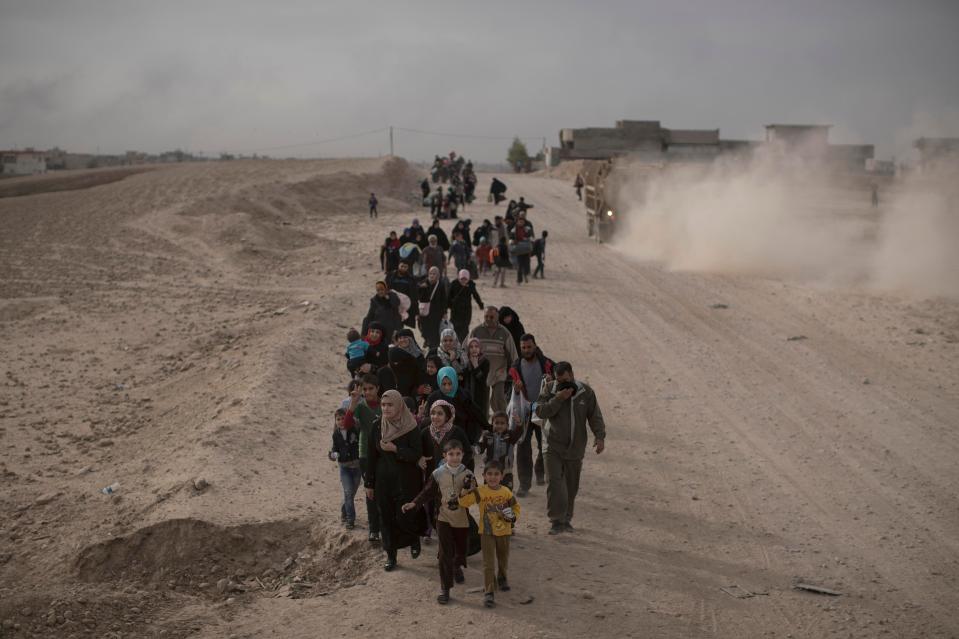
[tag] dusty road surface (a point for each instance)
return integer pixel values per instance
(187, 324)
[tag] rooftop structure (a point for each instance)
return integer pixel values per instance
(937, 152)
(25, 162)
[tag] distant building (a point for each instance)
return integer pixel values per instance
(26, 162)
(806, 139)
(691, 144)
(811, 143)
(56, 159)
(648, 141)
(937, 153)
(135, 157)
(641, 139)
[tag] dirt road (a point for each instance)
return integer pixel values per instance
(761, 433)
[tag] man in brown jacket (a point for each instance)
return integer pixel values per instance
(567, 406)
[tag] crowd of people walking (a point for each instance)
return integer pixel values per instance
(422, 414)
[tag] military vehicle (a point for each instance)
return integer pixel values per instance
(605, 195)
(602, 183)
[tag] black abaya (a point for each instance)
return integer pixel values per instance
(396, 479)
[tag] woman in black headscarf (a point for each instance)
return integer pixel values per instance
(385, 309)
(432, 308)
(407, 363)
(509, 319)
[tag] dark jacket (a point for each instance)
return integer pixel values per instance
(515, 327)
(460, 304)
(386, 311)
(565, 427)
(408, 286)
(482, 231)
(348, 445)
(430, 323)
(474, 379)
(516, 371)
(408, 371)
(502, 256)
(441, 238)
(389, 255)
(378, 354)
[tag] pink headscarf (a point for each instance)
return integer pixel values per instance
(439, 433)
(464, 275)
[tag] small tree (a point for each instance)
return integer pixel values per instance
(518, 156)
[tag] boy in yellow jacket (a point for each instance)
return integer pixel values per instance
(498, 511)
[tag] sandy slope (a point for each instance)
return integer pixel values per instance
(735, 456)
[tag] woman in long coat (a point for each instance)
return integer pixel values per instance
(509, 319)
(385, 309)
(462, 293)
(432, 293)
(393, 476)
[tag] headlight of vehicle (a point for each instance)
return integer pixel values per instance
(609, 213)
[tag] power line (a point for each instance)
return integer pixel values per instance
(470, 136)
(316, 142)
(360, 134)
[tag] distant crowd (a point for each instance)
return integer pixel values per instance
(419, 420)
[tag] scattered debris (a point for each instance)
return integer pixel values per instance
(527, 600)
(739, 592)
(865, 380)
(796, 338)
(111, 489)
(200, 484)
(719, 306)
(819, 590)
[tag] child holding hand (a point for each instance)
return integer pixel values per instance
(443, 488)
(498, 510)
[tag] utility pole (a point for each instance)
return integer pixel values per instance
(391, 139)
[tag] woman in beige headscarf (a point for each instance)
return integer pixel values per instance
(393, 477)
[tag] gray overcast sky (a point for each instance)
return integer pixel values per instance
(242, 76)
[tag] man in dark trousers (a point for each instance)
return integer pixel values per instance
(567, 405)
(527, 375)
(373, 203)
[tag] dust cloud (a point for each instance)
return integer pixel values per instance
(790, 218)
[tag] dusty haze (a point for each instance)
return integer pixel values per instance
(777, 218)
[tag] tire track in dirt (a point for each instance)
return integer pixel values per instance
(794, 422)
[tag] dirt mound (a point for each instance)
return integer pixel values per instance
(191, 550)
(204, 559)
(266, 220)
